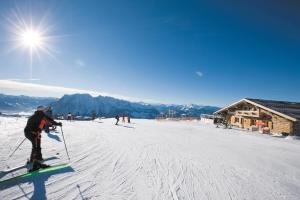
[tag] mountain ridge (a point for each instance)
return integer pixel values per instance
(102, 106)
(13, 103)
(85, 104)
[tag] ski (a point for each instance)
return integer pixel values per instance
(27, 165)
(37, 172)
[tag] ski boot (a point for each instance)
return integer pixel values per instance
(35, 155)
(36, 165)
(39, 155)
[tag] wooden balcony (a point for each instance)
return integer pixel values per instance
(247, 113)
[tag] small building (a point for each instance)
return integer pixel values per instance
(206, 118)
(275, 116)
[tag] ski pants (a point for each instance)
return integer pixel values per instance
(35, 139)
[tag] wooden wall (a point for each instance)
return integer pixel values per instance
(297, 128)
(280, 124)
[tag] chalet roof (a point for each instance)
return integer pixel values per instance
(286, 109)
(291, 109)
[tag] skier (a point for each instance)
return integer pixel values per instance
(69, 116)
(128, 119)
(117, 118)
(33, 129)
(123, 117)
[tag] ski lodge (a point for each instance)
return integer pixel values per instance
(264, 115)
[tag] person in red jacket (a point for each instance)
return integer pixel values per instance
(123, 117)
(33, 130)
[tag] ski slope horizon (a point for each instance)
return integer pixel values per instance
(149, 159)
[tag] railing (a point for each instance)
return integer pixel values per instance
(247, 113)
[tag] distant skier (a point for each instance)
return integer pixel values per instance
(128, 119)
(69, 117)
(117, 118)
(123, 117)
(33, 130)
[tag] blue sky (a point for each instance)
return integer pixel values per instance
(204, 52)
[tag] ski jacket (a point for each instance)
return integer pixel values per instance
(37, 122)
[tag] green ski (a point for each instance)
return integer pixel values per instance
(37, 172)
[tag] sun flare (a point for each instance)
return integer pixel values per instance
(31, 38)
(32, 35)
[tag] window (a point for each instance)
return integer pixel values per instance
(237, 120)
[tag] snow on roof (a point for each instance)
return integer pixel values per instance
(291, 109)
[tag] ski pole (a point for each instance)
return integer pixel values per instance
(65, 143)
(17, 148)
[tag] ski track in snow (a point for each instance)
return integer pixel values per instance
(155, 160)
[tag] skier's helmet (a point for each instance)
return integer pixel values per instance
(41, 108)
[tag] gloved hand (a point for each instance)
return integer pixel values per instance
(59, 124)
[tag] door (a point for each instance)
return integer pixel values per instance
(242, 123)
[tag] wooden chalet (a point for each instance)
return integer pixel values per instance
(275, 116)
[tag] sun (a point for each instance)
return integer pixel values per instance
(31, 39)
(32, 35)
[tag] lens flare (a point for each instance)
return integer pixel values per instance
(32, 35)
(31, 39)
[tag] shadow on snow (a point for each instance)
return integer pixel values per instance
(38, 181)
(124, 126)
(54, 136)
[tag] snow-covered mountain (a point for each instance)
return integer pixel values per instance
(10, 103)
(85, 104)
(188, 110)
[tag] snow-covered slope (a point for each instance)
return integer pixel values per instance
(156, 160)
